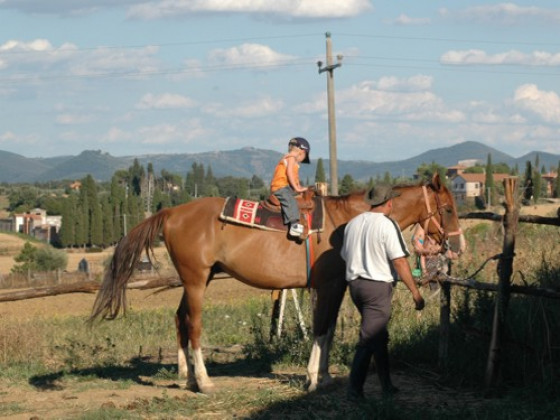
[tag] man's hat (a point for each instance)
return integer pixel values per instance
(303, 145)
(380, 194)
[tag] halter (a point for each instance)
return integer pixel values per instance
(431, 218)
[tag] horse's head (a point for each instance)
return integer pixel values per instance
(440, 219)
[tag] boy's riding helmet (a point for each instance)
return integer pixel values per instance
(303, 145)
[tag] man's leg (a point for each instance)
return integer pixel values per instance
(373, 300)
(382, 365)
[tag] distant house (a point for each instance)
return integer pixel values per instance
(36, 223)
(76, 185)
(454, 170)
(466, 187)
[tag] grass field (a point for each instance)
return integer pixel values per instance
(52, 366)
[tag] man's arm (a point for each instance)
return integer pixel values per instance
(403, 270)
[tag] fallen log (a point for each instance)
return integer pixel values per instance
(528, 218)
(92, 287)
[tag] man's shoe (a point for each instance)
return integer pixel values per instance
(296, 230)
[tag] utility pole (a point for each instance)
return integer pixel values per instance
(332, 123)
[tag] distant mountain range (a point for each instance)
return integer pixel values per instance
(244, 162)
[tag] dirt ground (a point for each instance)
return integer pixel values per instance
(73, 400)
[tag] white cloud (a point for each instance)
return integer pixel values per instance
(413, 83)
(116, 135)
(373, 100)
(39, 58)
(171, 134)
(254, 55)
(105, 61)
(63, 7)
(545, 105)
(513, 57)
(249, 109)
(165, 101)
(10, 138)
(503, 13)
(73, 119)
(314, 9)
(405, 20)
(21, 55)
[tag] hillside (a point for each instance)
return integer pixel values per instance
(244, 162)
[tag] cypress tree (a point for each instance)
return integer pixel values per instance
(537, 180)
(136, 173)
(528, 182)
(108, 228)
(67, 232)
(96, 225)
(320, 175)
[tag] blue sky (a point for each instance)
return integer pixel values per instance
(186, 76)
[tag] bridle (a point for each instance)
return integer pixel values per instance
(431, 218)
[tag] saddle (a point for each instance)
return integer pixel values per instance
(266, 214)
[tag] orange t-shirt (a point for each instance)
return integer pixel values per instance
(280, 177)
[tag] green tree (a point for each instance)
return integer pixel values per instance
(67, 234)
(22, 199)
(537, 180)
(26, 260)
(528, 182)
(501, 168)
(108, 228)
(387, 179)
(347, 184)
(194, 182)
(426, 171)
(320, 175)
(50, 259)
(136, 172)
(116, 198)
(476, 169)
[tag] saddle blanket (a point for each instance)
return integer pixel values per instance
(254, 214)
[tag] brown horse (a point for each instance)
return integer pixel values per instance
(201, 245)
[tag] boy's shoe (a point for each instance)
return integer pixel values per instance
(296, 230)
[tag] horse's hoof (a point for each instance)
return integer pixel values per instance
(207, 389)
(311, 386)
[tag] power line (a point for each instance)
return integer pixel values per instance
(161, 45)
(437, 39)
(22, 77)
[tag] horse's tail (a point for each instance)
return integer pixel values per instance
(111, 298)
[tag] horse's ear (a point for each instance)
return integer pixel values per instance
(436, 181)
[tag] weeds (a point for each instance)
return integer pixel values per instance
(50, 352)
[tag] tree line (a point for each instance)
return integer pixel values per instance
(98, 214)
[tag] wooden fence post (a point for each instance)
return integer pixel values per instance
(444, 315)
(505, 269)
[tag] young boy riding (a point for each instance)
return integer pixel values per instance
(285, 183)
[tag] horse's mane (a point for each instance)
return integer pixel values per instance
(361, 192)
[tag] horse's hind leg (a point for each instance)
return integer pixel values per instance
(184, 370)
(328, 301)
(188, 320)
